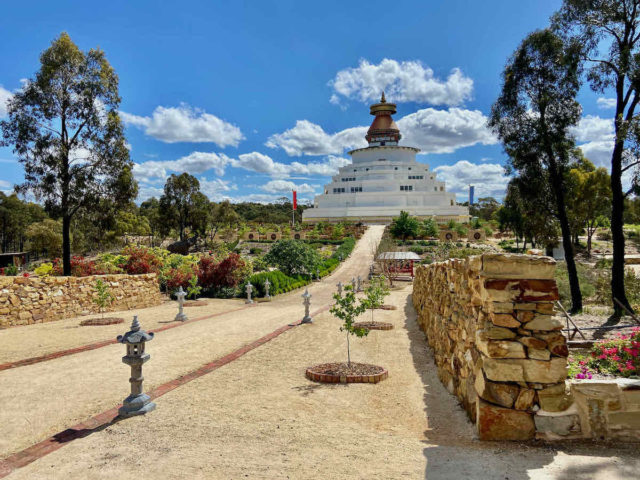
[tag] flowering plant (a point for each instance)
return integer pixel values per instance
(619, 356)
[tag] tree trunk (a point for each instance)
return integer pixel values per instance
(567, 244)
(348, 351)
(66, 246)
(617, 234)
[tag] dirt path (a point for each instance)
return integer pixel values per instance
(258, 417)
(42, 399)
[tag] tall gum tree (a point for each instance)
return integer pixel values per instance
(533, 116)
(609, 33)
(64, 128)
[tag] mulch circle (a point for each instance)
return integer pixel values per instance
(98, 322)
(194, 303)
(343, 373)
(374, 325)
(388, 307)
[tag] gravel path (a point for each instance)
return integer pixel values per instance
(258, 417)
(42, 399)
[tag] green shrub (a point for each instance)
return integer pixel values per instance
(255, 251)
(586, 278)
(417, 250)
(44, 269)
(279, 283)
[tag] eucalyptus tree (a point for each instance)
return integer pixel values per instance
(533, 117)
(609, 32)
(64, 128)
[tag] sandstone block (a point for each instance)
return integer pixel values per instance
(503, 370)
(555, 399)
(518, 370)
(498, 423)
(538, 354)
(503, 394)
(498, 333)
(544, 322)
(517, 266)
(525, 316)
(525, 399)
(502, 307)
(533, 342)
(499, 348)
(562, 425)
(505, 320)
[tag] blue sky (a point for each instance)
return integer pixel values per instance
(255, 97)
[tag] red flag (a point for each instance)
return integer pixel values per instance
(295, 200)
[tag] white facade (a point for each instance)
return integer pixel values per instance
(382, 180)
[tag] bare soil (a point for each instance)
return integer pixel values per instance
(343, 368)
(100, 322)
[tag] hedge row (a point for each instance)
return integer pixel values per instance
(281, 283)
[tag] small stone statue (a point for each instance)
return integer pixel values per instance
(339, 285)
(306, 301)
(353, 284)
(359, 289)
(137, 403)
(180, 294)
(267, 284)
(249, 288)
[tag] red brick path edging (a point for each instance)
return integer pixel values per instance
(104, 419)
(329, 378)
(93, 346)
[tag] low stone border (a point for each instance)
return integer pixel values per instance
(374, 325)
(195, 303)
(316, 376)
(99, 322)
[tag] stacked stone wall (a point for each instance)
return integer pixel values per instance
(30, 300)
(497, 344)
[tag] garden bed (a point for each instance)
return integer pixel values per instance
(387, 307)
(374, 325)
(99, 322)
(345, 373)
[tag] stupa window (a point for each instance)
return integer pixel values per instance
(406, 188)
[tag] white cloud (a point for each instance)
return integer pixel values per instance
(185, 124)
(5, 185)
(409, 81)
(5, 95)
(598, 135)
(431, 130)
(445, 131)
(489, 178)
(214, 188)
(604, 102)
(285, 186)
(307, 138)
(145, 192)
(261, 163)
(194, 163)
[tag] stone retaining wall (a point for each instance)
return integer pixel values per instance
(30, 300)
(497, 345)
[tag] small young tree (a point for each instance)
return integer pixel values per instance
(429, 228)
(404, 226)
(103, 297)
(193, 289)
(375, 293)
(347, 309)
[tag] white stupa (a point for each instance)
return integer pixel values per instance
(383, 179)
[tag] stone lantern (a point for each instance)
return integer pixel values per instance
(317, 274)
(306, 301)
(180, 294)
(267, 284)
(353, 284)
(371, 271)
(249, 289)
(339, 285)
(137, 403)
(359, 284)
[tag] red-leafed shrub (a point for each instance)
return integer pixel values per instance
(80, 267)
(226, 273)
(179, 277)
(140, 260)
